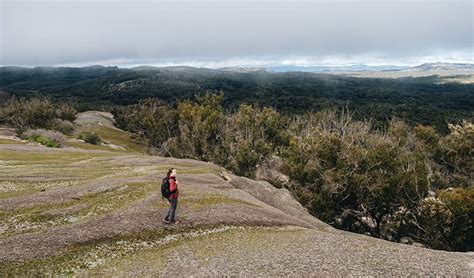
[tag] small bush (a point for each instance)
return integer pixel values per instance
(435, 218)
(63, 126)
(48, 138)
(66, 112)
(460, 201)
(90, 137)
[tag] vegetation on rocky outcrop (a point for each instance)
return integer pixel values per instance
(88, 210)
(348, 173)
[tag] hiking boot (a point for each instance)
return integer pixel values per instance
(166, 221)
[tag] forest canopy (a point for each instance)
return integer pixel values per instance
(424, 100)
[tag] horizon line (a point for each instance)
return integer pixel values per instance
(192, 65)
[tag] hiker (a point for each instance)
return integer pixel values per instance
(170, 192)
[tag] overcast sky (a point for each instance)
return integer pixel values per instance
(216, 34)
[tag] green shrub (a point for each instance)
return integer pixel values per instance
(199, 126)
(460, 202)
(48, 138)
(90, 137)
(426, 134)
(46, 141)
(66, 112)
(63, 126)
(248, 137)
(433, 221)
(457, 155)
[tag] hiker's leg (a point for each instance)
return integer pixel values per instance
(167, 215)
(175, 209)
(174, 203)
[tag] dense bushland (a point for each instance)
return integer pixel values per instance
(35, 113)
(394, 183)
(201, 130)
(102, 88)
(391, 184)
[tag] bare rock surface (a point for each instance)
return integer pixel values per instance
(97, 117)
(309, 252)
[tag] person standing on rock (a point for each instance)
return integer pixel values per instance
(170, 217)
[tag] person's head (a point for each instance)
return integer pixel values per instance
(171, 172)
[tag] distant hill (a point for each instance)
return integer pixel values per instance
(329, 69)
(387, 71)
(463, 70)
(445, 66)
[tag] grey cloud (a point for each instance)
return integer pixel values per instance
(40, 33)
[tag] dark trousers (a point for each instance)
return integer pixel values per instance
(171, 213)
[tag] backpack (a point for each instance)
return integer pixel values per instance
(165, 188)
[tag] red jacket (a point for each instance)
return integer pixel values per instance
(173, 186)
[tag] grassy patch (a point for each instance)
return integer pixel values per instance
(199, 170)
(26, 172)
(73, 259)
(193, 200)
(86, 146)
(31, 179)
(15, 187)
(196, 201)
(11, 141)
(249, 240)
(213, 242)
(12, 157)
(114, 136)
(95, 204)
(101, 254)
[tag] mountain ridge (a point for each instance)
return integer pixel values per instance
(271, 68)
